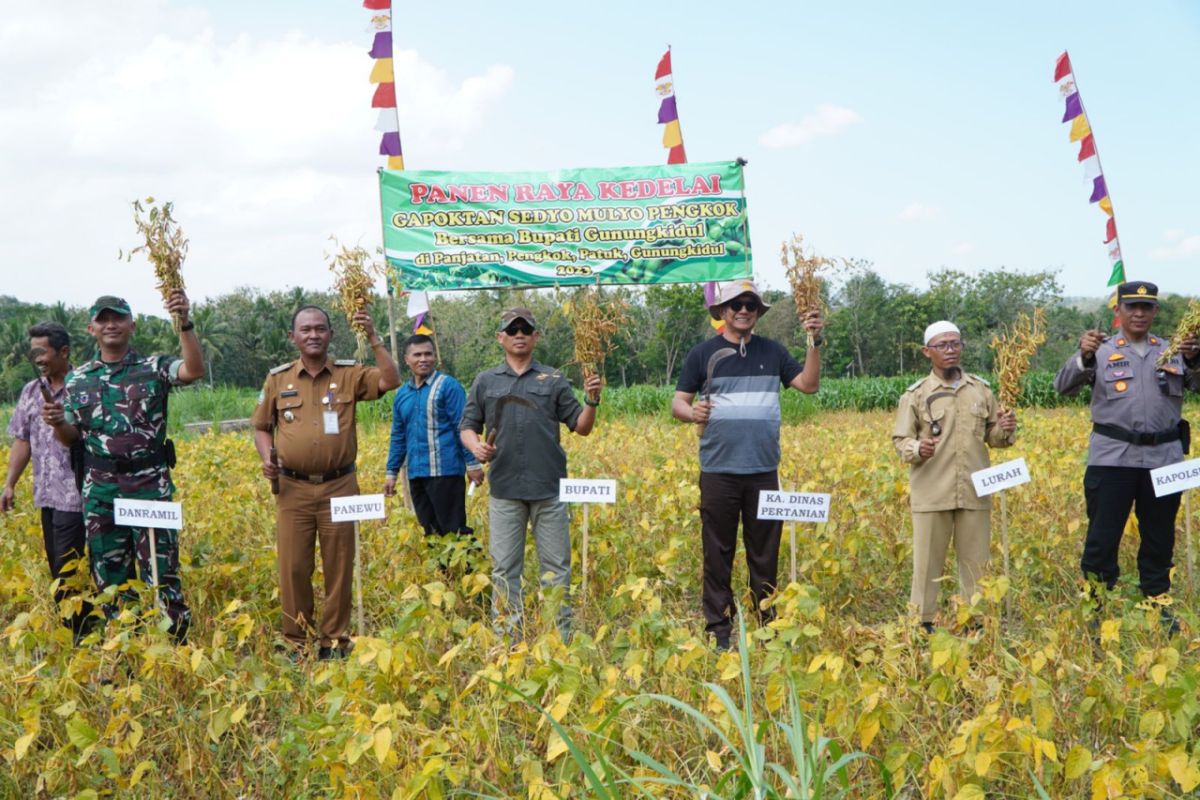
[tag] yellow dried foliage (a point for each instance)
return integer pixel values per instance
(595, 320)
(163, 243)
(1189, 325)
(1014, 350)
(426, 705)
(804, 274)
(354, 282)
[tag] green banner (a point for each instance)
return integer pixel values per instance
(682, 223)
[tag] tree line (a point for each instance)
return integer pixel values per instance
(873, 327)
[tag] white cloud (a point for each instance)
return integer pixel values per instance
(1181, 245)
(960, 248)
(828, 120)
(915, 211)
(266, 145)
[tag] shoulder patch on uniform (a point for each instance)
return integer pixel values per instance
(345, 362)
(979, 378)
(281, 368)
(915, 384)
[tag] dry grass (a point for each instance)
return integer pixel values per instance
(164, 245)
(1189, 325)
(354, 281)
(1014, 350)
(804, 276)
(595, 320)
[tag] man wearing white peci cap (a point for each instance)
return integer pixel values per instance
(944, 424)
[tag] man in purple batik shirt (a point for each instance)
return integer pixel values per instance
(54, 491)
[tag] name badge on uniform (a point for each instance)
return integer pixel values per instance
(331, 422)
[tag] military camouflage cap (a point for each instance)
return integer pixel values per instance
(514, 314)
(111, 303)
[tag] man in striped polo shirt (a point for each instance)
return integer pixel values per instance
(739, 444)
(425, 418)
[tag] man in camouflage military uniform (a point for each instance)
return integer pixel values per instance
(1136, 427)
(307, 412)
(118, 405)
(945, 423)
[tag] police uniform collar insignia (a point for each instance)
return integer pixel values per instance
(1121, 342)
(1153, 340)
(281, 368)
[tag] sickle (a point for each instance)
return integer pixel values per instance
(935, 427)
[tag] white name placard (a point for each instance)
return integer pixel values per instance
(587, 490)
(356, 507)
(1176, 477)
(148, 514)
(793, 506)
(1000, 477)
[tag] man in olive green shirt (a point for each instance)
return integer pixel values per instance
(944, 424)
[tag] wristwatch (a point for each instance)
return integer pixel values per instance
(187, 326)
(590, 402)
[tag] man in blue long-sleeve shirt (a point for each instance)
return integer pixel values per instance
(425, 419)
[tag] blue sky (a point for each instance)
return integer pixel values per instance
(922, 135)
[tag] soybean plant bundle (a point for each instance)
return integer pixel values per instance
(354, 282)
(595, 324)
(1188, 326)
(164, 245)
(1014, 350)
(803, 276)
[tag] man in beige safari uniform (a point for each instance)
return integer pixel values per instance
(944, 424)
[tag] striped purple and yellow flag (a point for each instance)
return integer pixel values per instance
(1081, 131)
(383, 74)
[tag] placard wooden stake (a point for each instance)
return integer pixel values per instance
(583, 585)
(792, 544)
(358, 579)
(1004, 550)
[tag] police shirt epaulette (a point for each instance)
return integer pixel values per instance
(345, 362)
(915, 384)
(281, 368)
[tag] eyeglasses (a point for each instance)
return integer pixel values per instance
(519, 327)
(944, 347)
(749, 305)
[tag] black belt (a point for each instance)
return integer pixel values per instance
(1134, 437)
(157, 457)
(328, 476)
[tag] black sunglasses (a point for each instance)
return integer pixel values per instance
(519, 327)
(748, 305)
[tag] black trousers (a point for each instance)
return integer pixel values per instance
(1109, 492)
(724, 500)
(440, 504)
(64, 537)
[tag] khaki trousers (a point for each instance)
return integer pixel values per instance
(932, 531)
(302, 517)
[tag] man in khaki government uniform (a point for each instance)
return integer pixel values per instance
(1136, 427)
(944, 424)
(306, 412)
